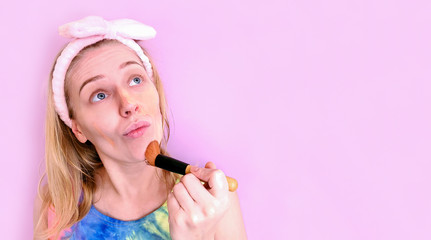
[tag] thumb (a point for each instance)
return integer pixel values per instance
(214, 177)
(210, 165)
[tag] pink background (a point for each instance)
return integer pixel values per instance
(320, 109)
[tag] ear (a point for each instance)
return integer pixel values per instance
(76, 129)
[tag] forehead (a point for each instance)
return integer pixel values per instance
(102, 59)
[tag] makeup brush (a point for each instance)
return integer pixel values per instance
(154, 158)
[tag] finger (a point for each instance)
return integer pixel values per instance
(173, 205)
(197, 191)
(183, 197)
(176, 213)
(210, 165)
(214, 177)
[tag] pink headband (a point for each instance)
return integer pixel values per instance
(90, 30)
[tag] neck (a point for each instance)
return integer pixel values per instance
(130, 179)
(129, 190)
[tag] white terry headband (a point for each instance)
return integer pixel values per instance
(90, 30)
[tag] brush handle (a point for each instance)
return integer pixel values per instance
(231, 182)
(176, 166)
(170, 164)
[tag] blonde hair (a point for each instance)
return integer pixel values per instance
(71, 165)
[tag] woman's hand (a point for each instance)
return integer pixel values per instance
(195, 211)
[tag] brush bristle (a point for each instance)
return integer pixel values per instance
(152, 151)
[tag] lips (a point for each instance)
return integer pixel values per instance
(136, 129)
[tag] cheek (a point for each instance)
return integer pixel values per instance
(159, 127)
(103, 135)
(154, 109)
(96, 128)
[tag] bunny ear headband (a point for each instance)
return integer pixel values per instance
(90, 30)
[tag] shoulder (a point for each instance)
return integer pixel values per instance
(38, 202)
(44, 214)
(231, 225)
(39, 224)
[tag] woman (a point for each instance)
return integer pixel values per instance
(106, 104)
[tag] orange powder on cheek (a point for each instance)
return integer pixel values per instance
(103, 135)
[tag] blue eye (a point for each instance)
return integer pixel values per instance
(98, 97)
(135, 81)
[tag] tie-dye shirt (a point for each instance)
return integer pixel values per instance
(96, 225)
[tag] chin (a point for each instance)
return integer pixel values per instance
(139, 150)
(137, 155)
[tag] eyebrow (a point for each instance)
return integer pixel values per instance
(125, 64)
(97, 77)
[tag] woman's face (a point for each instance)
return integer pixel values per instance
(115, 103)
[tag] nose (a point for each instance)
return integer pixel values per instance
(127, 106)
